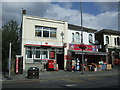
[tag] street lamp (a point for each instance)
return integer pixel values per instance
(62, 34)
(82, 47)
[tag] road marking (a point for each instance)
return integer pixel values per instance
(74, 80)
(23, 81)
(70, 85)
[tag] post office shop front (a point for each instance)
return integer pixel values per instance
(38, 55)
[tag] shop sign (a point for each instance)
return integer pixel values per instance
(17, 60)
(71, 46)
(52, 55)
(77, 47)
(88, 47)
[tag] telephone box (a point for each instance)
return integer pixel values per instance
(19, 64)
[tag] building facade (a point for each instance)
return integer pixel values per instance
(44, 39)
(110, 41)
(74, 52)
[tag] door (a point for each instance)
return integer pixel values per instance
(60, 61)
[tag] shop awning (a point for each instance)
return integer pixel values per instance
(114, 49)
(88, 52)
(35, 45)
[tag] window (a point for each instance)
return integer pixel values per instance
(45, 54)
(81, 37)
(115, 41)
(52, 54)
(37, 52)
(53, 32)
(72, 37)
(107, 40)
(118, 41)
(41, 31)
(29, 52)
(38, 31)
(77, 37)
(90, 38)
(45, 32)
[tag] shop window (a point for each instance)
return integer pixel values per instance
(115, 41)
(72, 37)
(90, 38)
(44, 54)
(107, 40)
(118, 41)
(29, 52)
(37, 52)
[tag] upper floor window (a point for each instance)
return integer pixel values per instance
(73, 37)
(118, 41)
(107, 40)
(38, 31)
(115, 41)
(49, 32)
(90, 38)
(77, 37)
(81, 37)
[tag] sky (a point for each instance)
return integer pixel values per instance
(96, 15)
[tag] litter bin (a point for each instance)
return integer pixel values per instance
(33, 72)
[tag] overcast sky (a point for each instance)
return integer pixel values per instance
(96, 15)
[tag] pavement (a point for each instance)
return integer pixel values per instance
(59, 74)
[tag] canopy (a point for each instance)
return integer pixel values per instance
(89, 52)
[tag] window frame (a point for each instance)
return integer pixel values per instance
(115, 41)
(73, 37)
(45, 49)
(35, 52)
(107, 39)
(118, 41)
(90, 38)
(77, 37)
(27, 52)
(43, 30)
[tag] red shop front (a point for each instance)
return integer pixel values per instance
(91, 55)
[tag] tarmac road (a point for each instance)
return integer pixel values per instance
(105, 81)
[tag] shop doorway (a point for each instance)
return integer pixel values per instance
(60, 61)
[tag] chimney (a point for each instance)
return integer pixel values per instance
(23, 12)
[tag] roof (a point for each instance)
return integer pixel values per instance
(108, 31)
(43, 19)
(75, 27)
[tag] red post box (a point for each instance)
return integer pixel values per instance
(51, 64)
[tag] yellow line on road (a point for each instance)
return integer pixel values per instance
(7, 82)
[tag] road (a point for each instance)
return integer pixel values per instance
(106, 81)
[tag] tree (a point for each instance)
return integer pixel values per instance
(10, 33)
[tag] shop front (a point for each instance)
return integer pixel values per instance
(90, 56)
(42, 55)
(114, 56)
